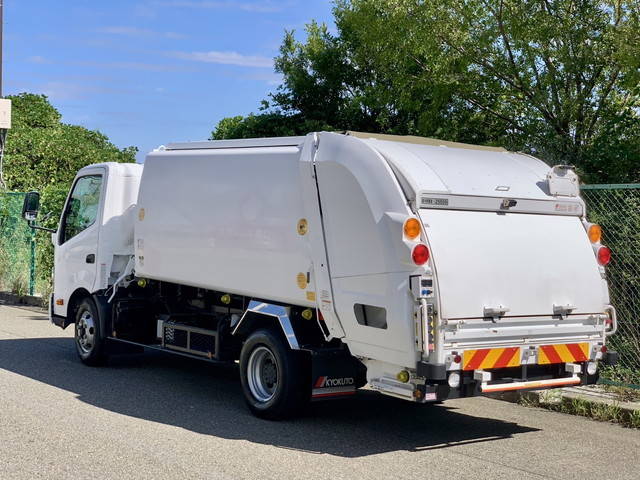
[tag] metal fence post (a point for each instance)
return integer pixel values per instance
(32, 264)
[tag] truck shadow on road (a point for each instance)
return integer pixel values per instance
(207, 399)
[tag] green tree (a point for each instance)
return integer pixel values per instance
(555, 78)
(41, 151)
(268, 124)
(314, 95)
(44, 154)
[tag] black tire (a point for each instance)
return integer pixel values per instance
(90, 344)
(291, 389)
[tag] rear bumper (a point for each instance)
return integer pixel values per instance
(521, 378)
(473, 387)
(530, 385)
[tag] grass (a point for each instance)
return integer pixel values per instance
(600, 411)
(621, 381)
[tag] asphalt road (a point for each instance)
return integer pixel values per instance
(158, 416)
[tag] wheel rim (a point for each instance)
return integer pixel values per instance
(262, 374)
(86, 332)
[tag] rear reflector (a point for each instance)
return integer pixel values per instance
(420, 254)
(604, 255)
(491, 358)
(563, 353)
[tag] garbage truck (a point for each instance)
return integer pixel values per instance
(424, 269)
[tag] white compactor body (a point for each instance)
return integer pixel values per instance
(425, 269)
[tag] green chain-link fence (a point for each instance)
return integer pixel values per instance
(617, 209)
(17, 247)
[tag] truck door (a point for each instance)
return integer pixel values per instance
(76, 242)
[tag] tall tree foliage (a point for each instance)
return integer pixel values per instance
(556, 78)
(42, 151)
(44, 154)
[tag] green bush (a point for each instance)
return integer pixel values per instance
(42, 154)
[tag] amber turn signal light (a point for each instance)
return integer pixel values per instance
(412, 228)
(595, 233)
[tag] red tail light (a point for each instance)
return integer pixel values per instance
(420, 254)
(604, 255)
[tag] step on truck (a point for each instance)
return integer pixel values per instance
(424, 269)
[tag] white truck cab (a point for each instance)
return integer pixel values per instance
(90, 242)
(425, 269)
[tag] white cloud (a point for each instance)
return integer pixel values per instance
(260, 7)
(272, 79)
(138, 32)
(144, 11)
(38, 59)
(72, 91)
(225, 58)
(147, 67)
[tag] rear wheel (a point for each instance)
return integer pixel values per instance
(275, 379)
(88, 337)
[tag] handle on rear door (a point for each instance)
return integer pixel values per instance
(614, 320)
(91, 258)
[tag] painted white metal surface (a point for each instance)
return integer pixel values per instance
(116, 234)
(71, 268)
(238, 143)
(500, 204)
(526, 263)
(110, 235)
(440, 169)
(363, 212)
(324, 295)
(225, 219)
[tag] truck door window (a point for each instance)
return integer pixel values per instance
(82, 208)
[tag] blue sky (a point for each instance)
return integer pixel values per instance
(148, 72)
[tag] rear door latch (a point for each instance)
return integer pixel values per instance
(494, 313)
(563, 310)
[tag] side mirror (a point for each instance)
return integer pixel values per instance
(31, 206)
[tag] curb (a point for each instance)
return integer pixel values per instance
(592, 394)
(14, 299)
(588, 401)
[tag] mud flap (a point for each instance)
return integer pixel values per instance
(335, 374)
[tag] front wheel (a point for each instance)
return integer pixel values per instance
(275, 379)
(88, 337)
